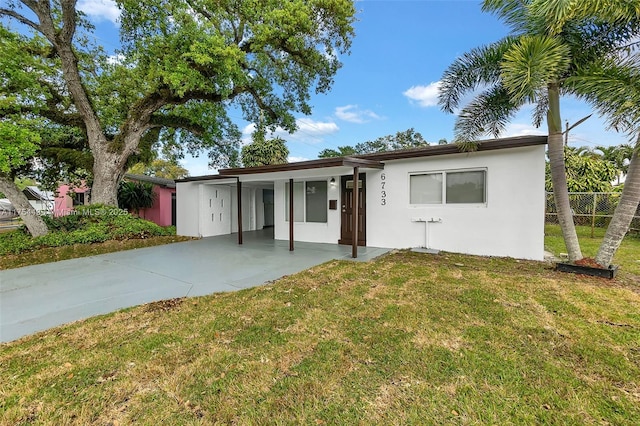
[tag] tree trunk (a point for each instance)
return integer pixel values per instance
(623, 215)
(559, 176)
(28, 214)
(108, 170)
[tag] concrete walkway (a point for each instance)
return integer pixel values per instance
(39, 297)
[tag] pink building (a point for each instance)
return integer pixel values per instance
(163, 211)
(66, 197)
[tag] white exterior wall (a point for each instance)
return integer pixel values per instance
(187, 208)
(207, 208)
(248, 209)
(511, 223)
(311, 232)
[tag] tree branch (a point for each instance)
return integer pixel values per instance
(13, 14)
(176, 122)
(69, 16)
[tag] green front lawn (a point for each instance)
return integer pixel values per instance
(405, 339)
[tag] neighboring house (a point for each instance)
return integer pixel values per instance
(163, 211)
(7, 211)
(67, 197)
(41, 201)
(487, 202)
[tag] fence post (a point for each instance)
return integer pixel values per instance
(593, 214)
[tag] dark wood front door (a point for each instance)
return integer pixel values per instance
(346, 226)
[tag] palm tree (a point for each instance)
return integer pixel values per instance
(616, 155)
(135, 196)
(612, 85)
(529, 66)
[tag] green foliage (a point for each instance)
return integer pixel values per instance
(136, 195)
(401, 140)
(264, 152)
(88, 224)
(17, 145)
(159, 167)
(586, 172)
(342, 151)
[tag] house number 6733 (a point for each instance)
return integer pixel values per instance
(383, 191)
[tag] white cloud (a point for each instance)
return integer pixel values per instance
(425, 96)
(520, 129)
(100, 10)
(296, 159)
(307, 126)
(353, 114)
(309, 131)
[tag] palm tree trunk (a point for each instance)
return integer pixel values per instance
(28, 214)
(559, 176)
(623, 215)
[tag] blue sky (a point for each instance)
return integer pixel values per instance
(389, 82)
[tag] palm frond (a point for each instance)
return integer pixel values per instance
(557, 13)
(513, 12)
(532, 63)
(613, 89)
(476, 68)
(487, 114)
(540, 109)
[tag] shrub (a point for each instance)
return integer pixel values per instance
(89, 224)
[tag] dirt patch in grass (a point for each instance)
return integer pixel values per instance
(54, 254)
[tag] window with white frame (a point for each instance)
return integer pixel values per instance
(448, 187)
(309, 201)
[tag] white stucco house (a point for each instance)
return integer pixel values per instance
(487, 202)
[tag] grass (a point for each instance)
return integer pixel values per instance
(405, 339)
(627, 256)
(54, 254)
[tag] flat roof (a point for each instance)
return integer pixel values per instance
(375, 160)
(169, 183)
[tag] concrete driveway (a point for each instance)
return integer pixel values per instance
(39, 297)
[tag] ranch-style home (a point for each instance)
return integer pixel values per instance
(487, 202)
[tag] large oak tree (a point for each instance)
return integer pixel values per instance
(182, 66)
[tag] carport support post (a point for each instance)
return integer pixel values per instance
(290, 214)
(239, 187)
(354, 215)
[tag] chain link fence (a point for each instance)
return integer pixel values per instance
(594, 209)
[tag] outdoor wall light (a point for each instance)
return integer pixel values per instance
(333, 181)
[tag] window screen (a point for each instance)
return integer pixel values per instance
(426, 189)
(466, 187)
(316, 201)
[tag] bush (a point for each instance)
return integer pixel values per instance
(89, 224)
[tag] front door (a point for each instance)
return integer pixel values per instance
(346, 227)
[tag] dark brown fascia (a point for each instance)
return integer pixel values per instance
(362, 162)
(167, 183)
(305, 165)
(205, 177)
